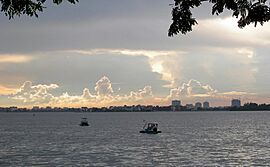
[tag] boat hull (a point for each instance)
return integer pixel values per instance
(84, 124)
(150, 132)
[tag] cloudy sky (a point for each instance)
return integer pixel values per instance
(102, 53)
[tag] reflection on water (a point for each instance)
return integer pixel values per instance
(113, 139)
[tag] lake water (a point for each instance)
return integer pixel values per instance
(113, 139)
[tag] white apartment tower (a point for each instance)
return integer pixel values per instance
(206, 105)
(198, 105)
(176, 104)
(236, 103)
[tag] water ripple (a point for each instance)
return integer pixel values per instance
(188, 139)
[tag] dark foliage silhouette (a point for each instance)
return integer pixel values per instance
(13, 8)
(247, 12)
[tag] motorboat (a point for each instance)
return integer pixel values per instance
(150, 128)
(84, 122)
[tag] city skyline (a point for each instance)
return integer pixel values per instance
(175, 106)
(94, 54)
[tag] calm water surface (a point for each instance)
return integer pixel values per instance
(112, 139)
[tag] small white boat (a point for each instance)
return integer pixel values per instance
(84, 122)
(150, 128)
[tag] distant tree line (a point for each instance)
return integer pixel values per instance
(252, 107)
(138, 108)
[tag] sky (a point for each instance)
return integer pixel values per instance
(101, 53)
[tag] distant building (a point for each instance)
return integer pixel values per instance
(236, 103)
(46, 109)
(35, 108)
(137, 108)
(190, 106)
(206, 105)
(176, 105)
(198, 105)
(13, 108)
(84, 109)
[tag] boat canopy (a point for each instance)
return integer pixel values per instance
(152, 125)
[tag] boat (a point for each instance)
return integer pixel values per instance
(84, 122)
(150, 128)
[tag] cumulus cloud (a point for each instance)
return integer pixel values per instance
(104, 87)
(142, 96)
(86, 94)
(66, 100)
(103, 95)
(86, 98)
(194, 91)
(175, 93)
(146, 92)
(196, 88)
(30, 93)
(193, 88)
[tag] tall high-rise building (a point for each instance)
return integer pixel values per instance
(176, 104)
(236, 103)
(206, 104)
(198, 105)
